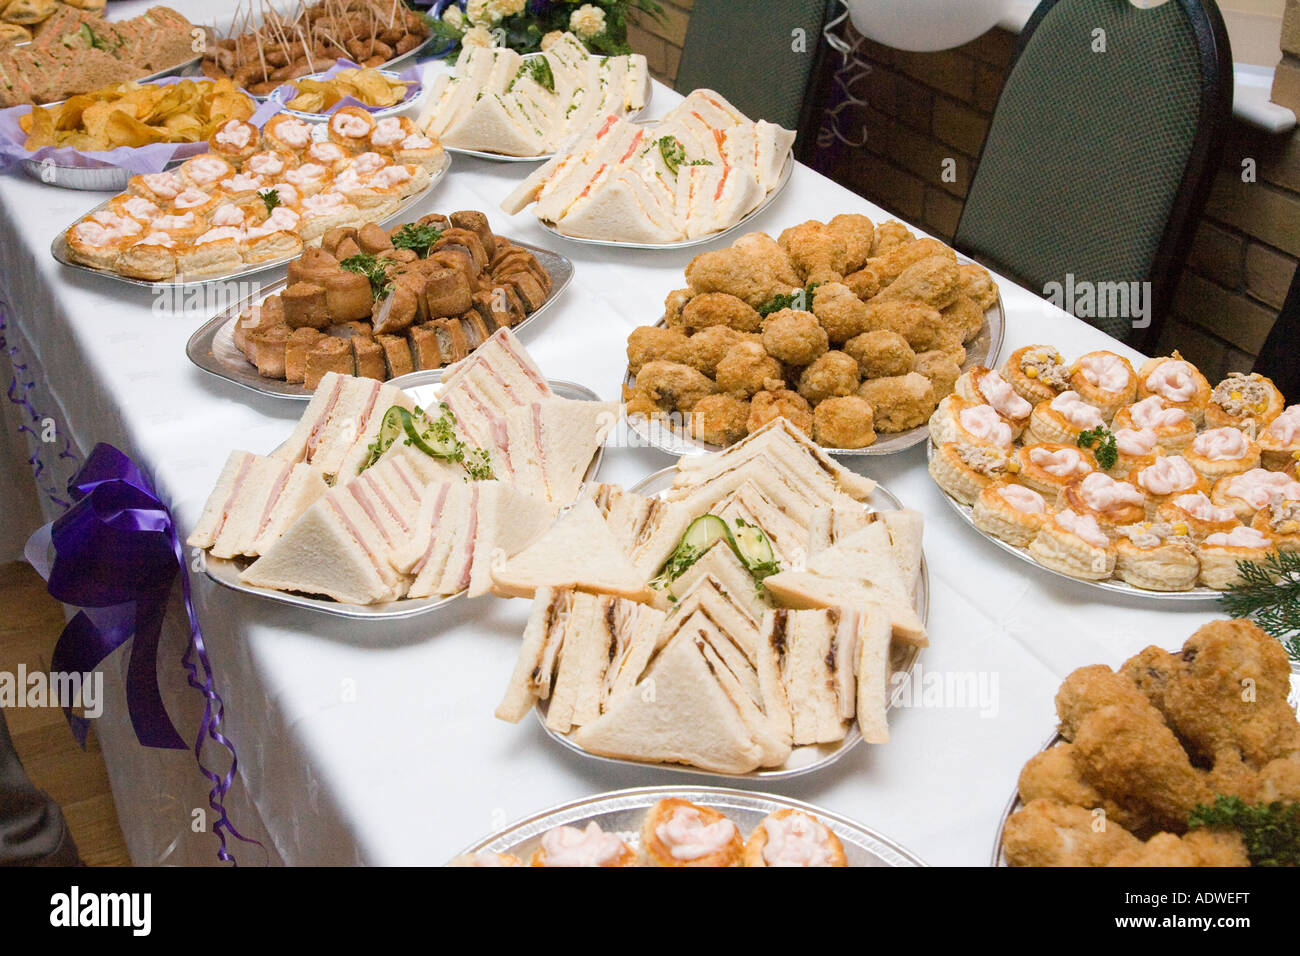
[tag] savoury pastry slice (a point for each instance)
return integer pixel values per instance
(1150, 555)
(1167, 478)
(790, 837)
(1105, 380)
(1010, 512)
(983, 385)
(964, 469)
(1178, 382)
(1037, 373)
(1248, 402)
(1222, 451)
(1075, 545)
(958, 419)
(1050, 466)
(1062, 419)
(1220, 552)
(676, 832)
(1110, 502)
(1136, 449)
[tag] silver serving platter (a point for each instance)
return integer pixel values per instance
(673, 437)
(999, 858)
(59, 248)
(392, 75)
(423, 387)
(395, 65)
(540, 157)
(809, 757)
(622, 811)
(744, 220)
(212, 348)
(1113, 585)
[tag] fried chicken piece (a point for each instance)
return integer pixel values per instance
(864, 283)
(923, 327)
(1090, 688)
(1234, 694)
(1152, 669)
(844, 422)
(899, 402)
(890, 235)
(780, 403)
(857, 232)
(834, 374)
(1197, 848)
(746, 369)
(1130, 756)
(673, 305)
(976, 282)
(649, 343)
(638, 403)
(818, 255)
(720, 419)
(941, 368)
(1047, 833)
(719, 308)
(882, 353)
(1056, 774)
(932, 280)
(1231, 776)
(1217, 847)
(841, 313)
(756, 273)
(706, 348)
(1279, 780)
(674, 386)
(795, 338)
(965, 316)
(888, 266)
(763, 248)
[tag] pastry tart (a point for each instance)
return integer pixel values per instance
(241, 187)
(569, 846)
(1074, 544)
(1178, 382)
(791, 837)
(418, 148)
(964, 469)
(676, 832)
(1037, 373)
(235, 140)
(958, 419)
(1150, 555)
(1196, 515)
(195, 200)
(152, 257)
(1062, 419)
(99, 242)
(142, 210)
(327, 154)
(1222, 451)
(486, 858)
(1105, 380)
(215, 251)
(1220, 552)
(1248, 402)
(1137, 448)
(204, 171)
(1010, 512)
(1279, 443)
(350, 127)
(1250, 491)
(181, 226)
(387, 135)
(308, 179)
(1167, 478)
(273, 237)
(1050, 466)
(1281, 519)
(270, 163)
(160, 188)
(286, 134)
(1174, 428)
(980, 384)
(1111, 502)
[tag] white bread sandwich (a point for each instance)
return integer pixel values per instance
(812, 669)
(343, 417)
(648, 529)
(906, 528)
(255, 500)
(873, 674)
(552, 442)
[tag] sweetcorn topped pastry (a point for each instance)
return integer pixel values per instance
(1037, 373)
(1246, 401)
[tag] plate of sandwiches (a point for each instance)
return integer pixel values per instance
(702, 170)
(391, 499)
(1143, 481)
(254, 201)
(686, 826)
(738, 615)
(498, 104)
(461, 283)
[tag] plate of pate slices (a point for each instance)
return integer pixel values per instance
(699, 633)
(686, 826)
(390, 499)
(1134, 481)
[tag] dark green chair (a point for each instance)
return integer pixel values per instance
(1097, 164)
(743, 50)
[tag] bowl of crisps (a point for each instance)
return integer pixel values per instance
(98, 140)
(317, 96)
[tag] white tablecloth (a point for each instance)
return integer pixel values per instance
(376, 743)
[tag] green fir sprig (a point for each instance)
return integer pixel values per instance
(1268, 593)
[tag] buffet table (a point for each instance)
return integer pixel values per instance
(375, 743)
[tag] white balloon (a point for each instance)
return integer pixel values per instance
(924, 25)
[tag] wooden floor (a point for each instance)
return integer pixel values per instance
(30, 622)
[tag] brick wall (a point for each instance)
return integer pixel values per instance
(661, 40)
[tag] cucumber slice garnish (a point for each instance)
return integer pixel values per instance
(704, 531)
(389, 430)
(434, 442)
(754, 549)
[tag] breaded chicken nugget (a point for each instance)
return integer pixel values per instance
(1055, 774)
(1151, 669)
(674, 386)
(706, 348)
(720, 419)
(890, 265)
(747, 368)
(857, 232)
(1198, 848)
(899, 402)
(780, 403)
(795, 338)
(1217, 847)
(649, 343)
(1232, 776)
(889, 235)
(673, 305)
(932, 280)
(976, 282)
(1279, 780)
(818, 254)
(882, 353)
(841, 313)
(864, 283)
(941, 368)
(922, 326)
(638, 403)
(832, 375)
(844, 422)
(756, 275)
(1090, 688)
(719, 308)
(762, 248)
(1047, 833)
(965, 316)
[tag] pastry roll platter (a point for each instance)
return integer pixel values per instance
(622, 812)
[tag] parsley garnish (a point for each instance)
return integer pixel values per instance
(368, 265)
(270, 198)
(1271, 831)
(416, 238)
(1101, 441)
(1269, 594)
(800, 300)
